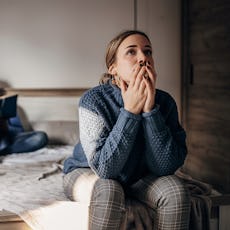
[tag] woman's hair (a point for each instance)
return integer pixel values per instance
(112, 48)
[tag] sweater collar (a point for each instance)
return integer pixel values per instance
(116, 92)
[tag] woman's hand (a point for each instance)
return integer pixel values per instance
(136, 92)
(150, 81)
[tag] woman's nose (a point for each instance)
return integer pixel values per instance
(144, 63)
(142, 58)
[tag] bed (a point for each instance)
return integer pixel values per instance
(32, 197)
(31, 192)
(31, 188)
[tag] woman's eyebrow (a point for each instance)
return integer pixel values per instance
(133, 46)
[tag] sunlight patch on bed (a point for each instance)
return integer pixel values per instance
(58, 216)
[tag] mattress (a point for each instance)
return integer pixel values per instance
(31, 187)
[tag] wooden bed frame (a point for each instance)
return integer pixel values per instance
(11, 221)
(47, 92)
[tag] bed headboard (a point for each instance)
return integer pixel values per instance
(54, 111)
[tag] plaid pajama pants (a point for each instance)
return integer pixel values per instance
(166, 195)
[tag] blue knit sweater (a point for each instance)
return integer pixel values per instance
(119, 145)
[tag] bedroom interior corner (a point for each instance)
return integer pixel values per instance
(49, 77)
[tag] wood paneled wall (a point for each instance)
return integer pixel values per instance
(208, 92)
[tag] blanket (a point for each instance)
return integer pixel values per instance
(31, 187)
(31, 184)
(201, 203)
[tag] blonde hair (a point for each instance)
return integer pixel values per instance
(112, 48)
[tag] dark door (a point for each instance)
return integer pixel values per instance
(206, 116)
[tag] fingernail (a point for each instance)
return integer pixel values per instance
(146, 76)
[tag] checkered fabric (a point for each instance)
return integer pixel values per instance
(166, 195)
(169, 199)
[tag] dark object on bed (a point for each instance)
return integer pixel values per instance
(8, 105)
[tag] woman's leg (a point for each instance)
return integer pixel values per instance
(169, 199)
(105, 198)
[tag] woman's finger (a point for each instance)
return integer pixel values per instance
(123, 86)
(139, 77)
(152, 73)
(136, 70)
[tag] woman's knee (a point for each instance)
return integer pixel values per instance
(108, 191)
(171, 202)
(78, 184)
(107, 206)
(171, 191)
(84, 186)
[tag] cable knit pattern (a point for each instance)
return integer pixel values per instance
(91, 126)
(124, 146)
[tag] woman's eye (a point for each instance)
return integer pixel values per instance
(148, 52)
(131, 52)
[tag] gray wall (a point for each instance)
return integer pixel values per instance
(61, 44)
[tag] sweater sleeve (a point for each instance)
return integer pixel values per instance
(165, 141)
(107, 150)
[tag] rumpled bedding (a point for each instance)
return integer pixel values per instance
(32, 181)
(31, 187)
(201, 203)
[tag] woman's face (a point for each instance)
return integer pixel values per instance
(131, 52)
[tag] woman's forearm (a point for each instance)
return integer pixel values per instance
(165, 148)
(108, 150)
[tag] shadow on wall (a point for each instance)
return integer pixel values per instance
(4, 84)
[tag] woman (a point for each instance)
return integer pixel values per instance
(131, 140)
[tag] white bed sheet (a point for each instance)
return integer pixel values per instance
(31, 186)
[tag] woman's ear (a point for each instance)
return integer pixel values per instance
(112, 70)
